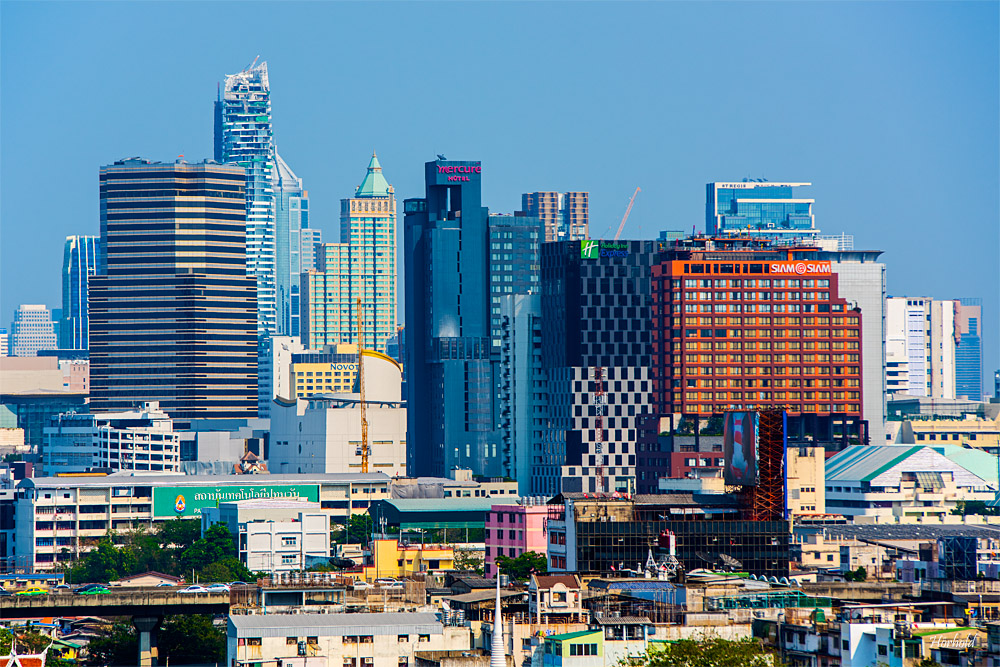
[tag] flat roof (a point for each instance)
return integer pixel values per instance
(336, 625)
(154, 479)
(433, 512)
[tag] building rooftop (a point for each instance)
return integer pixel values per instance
(280, 625)
(572, 635)
(156, 479)
(374, 184)
(549, 580)
(864, 463)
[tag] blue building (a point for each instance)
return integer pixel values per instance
(460, 261)
(760, 208)
(969, 349)
(291, 216)
(79, 263)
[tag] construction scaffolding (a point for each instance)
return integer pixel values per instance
(766, 500)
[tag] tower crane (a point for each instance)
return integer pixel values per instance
(361, 388)
(631, 201)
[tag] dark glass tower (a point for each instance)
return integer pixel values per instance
(459, 262)
(173, 314)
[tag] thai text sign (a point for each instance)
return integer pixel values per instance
(188, 501)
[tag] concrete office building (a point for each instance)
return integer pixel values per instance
(920, 346)
(177, 328)
(565, 216)
(330, 371)
(969, 349)
(291, 216)
(32, 330)
(322, 433)
(272, 536)
(243, 136)
(274, 371)
(79, 263)
(60, 518)
(362, 266)
(351, 640)
(141, 439)
(597, 354)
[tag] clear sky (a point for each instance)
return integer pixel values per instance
(890, 109)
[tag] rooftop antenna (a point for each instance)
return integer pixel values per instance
(441, 157)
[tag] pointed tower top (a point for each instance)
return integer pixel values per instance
(498, 645)
(374, 184)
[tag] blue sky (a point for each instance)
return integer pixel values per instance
(889, 109)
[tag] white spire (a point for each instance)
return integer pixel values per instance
(497, 648)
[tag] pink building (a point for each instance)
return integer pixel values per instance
(512, 530)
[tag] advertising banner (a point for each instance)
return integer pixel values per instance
(188, 501)
(740, 447)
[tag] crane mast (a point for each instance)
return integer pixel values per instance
(627, 211)
(361, 388)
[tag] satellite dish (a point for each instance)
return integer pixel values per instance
(731, 562)
(704, 556)
(441, 157)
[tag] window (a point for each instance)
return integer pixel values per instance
(291, 641)
(403, 638)
(288, 541)
(423, 638)
(312, 640)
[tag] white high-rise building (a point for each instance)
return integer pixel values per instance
(31, 331)
(920, 347)
(243, 135)
(362, 265)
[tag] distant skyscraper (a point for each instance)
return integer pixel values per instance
(31, 331)
(760, 208)
(459, 263)
(79, 263)
(362, 265)
(969, 349)
(566, 216)
(920, 346)
(169, 326)
(4, 342)
(290, 220)
(243, 135)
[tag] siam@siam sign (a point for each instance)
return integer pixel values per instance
(801, 268)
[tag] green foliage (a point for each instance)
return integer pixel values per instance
(710, 652)
(176, 549)
(359, 530)
(522, 567)
(859, 574)
(119, 646)
(466, 559)
(974, 507)
(927, 662)
(191, 639)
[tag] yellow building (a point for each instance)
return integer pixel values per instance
(335, 376)
(395, 560)
(979, 433)
(806, 480)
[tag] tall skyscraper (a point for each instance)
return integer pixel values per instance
(79, 263)
(566, 216)
(32, 330)
(173, 313)
(920, 346)
(969, 349)
(243, 135)
(760, 208)
(362, 265)
(290, 220)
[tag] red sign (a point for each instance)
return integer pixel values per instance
(800, 268)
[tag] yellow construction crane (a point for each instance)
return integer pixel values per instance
(361, 385)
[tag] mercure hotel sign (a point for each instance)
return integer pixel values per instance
(188, 501)
(459, 172)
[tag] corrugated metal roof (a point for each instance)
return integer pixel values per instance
(624, 620)
(572, 635)
(442, 504)
(154, 479)
(866, 462)
(334, 625)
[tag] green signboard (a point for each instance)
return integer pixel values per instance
(597, 249)
(188, 501)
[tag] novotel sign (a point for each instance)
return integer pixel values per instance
(800, 268)
(459, 172)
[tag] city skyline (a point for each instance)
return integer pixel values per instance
(866, 137)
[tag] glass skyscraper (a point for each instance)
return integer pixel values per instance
(362, 265)
(79, 263)
(169, 326)
(969, 349)
(759, 208)
(243, 135)
(290, 219)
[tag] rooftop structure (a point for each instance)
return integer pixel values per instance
(759, 207)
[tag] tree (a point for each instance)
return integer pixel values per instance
(213, 547)
(859, 574)
(710, 652)
(467, 559)
(191, 639)
(522, 567)
(119, 646)
(229, 568)
(179, 533)
(359, 530)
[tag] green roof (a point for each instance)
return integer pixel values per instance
(864, 463)
(374, 184)
(572, 635)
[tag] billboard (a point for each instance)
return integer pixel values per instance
(188, 501)
(740, 447)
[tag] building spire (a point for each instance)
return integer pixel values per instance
(497, 647)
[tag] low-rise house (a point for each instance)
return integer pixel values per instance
(555, 597)
(391, 559)
(335, 640)
(147, 579)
